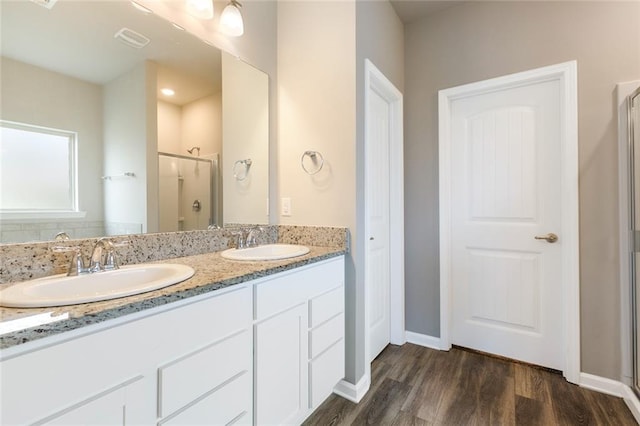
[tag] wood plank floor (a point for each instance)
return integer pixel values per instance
(412, 385)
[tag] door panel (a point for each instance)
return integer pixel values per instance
(378, 273)
(504, 289)
(502, 161)
(506, 191)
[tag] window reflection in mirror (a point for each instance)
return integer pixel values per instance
(37, 169)
(55, 76)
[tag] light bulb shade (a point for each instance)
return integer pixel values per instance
(231, 21)
(201, 9)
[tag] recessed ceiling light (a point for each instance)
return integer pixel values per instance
(201, 9)
(167, 92)
(177, 26)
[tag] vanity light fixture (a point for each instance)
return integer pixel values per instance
(231, 20)
(201, 9)
(141, 8)
(167, 92)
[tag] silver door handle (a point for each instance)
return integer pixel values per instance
(550, 237)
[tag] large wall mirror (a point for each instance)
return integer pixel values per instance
(92, 145)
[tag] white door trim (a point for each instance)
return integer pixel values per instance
(376, 81)
(566, 75)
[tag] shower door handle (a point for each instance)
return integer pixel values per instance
(550, 237)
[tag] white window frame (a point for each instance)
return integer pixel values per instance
(21, 215)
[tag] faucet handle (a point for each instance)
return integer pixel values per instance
(76, 266)
(251, 236)
(99, 255)
(240, 239)
(111, 261)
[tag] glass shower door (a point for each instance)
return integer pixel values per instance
(634, 172)
(186, 192)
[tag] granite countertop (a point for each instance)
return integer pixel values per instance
(212, 272)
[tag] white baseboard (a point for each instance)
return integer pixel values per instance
(612, 387)
(353, 393)
(423, 340)
(632, 401)
(601, 384)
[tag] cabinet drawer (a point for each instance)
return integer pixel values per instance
(193, 375)
(325, 372)
(278, 294)
(325, 306)
(325, 335)
(231, 404)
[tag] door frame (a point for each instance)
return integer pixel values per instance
(376, 81)
(566, 74)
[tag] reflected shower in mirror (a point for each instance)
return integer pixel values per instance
(187, 196)
(107, 90)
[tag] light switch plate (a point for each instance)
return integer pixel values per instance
(286, 206)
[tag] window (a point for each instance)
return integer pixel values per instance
(37, 169)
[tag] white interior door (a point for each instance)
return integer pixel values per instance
(505, 199)
(382, 241)
(377, 202)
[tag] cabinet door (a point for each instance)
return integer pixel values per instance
(117, 406)
(281, 368)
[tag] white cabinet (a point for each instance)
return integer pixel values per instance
(275, 344)
(144, 371)
(299, 338)
(281, 374)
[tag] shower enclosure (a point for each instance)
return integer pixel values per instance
(634, 205)
(187, 196)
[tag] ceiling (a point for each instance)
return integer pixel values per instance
(62, 39)
(413, 10)
(76, 38)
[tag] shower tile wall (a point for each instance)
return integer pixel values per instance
(20, 232)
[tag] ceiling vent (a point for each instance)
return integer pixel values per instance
(132, 38)
(45, 3)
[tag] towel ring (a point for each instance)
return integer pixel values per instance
(238, 167)
(316, 158)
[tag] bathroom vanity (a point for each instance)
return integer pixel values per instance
(262, 346)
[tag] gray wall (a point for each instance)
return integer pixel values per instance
(480, 40)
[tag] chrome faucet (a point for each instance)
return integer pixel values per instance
(246, 238)
(103, 256)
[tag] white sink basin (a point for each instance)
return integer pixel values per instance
(60, 290)
(266, 252)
